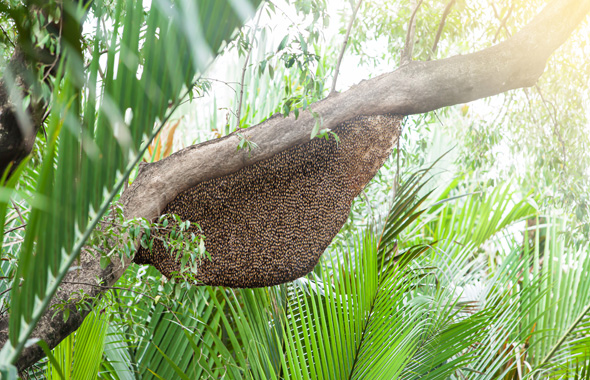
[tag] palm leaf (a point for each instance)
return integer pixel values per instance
(79, 355)
(117, 360)
(96, 132)
(564, 330)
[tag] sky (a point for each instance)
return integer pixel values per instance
(218, 106)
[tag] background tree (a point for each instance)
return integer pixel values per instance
(414, 88)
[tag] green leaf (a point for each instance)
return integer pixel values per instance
(283, 44)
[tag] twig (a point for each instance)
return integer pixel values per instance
(337, 69)
(15, 228)
(536, 123)
(409, 46)
(7, 37)
(287, 16)
(395, 179)
(397, 158)
(440, 27)
(503, 24)
(222, 81)
(10, 219)
(395, 183)
(556, 126)
(502, 111)
(364, 193)
(5, 291)
(239, 110)
(20, 216)
(17, 209)
(45, 116)
(100, 72)
(101, 52)
(57, 56)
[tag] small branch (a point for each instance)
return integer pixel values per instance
(368, 201)
(7, 37)
(15, 228)
(337, 69)
(293, 24)
(495, 10)
(239, 110)
(228, 84)
(531, 108)
(17, 209)
(409, 46)
(20, 216)
(49, 69)
(5, 291)
(397, 169)
(503, 24)
(100, 72)
(556, 127)
(502, 111)
(440, 27)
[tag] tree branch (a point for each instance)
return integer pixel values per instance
(344, 43)
(440, 28)
(503, 23)
(414, 88)
(239, 109)
(7, 37)
(409, 46)
(18, 128)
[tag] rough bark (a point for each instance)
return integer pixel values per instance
(17, 129)
(51, 327)
(413, 88)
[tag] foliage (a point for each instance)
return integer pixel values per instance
(95, 129)
(478, 272)
(78, 356)
(387, 302)
(117, 235)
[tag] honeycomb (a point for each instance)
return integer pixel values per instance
(270, 222)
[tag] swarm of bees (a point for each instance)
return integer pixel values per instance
(270, 222)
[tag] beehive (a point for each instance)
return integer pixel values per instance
(269, 222)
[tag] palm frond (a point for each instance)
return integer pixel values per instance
(97, 128)
(117, 362)
(79, 355)
(563, 314)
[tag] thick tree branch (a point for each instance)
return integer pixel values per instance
(412, 89)
(18, 128)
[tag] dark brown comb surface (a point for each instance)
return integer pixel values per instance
(269, 222)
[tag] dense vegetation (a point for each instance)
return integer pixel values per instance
(466, 257)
